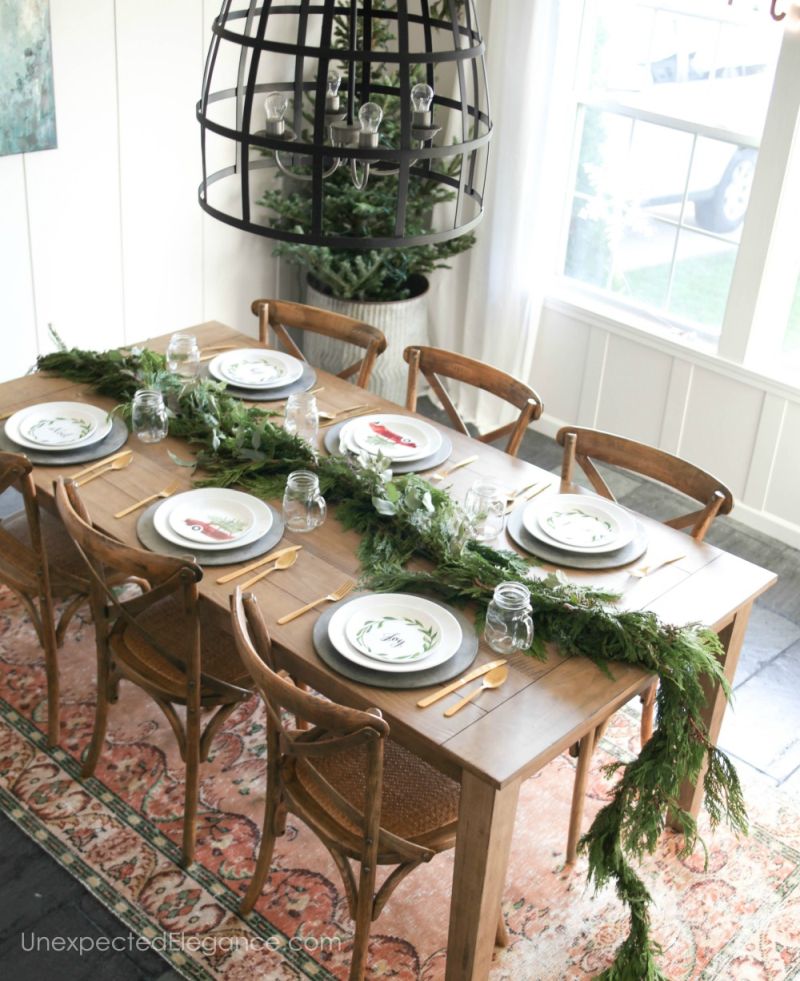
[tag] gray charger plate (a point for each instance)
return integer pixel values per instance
(302, 384)
(398, 466)
(635, 548)
(150, 538)
(116, 438)
(459, 662)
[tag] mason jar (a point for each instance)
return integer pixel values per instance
(303, 506)
(149, 415)
(509, 623)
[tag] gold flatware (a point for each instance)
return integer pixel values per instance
(334, 597)
(7, 415)
(282, 404)
(116, 465)
(493, 679)
(209, 353)
(103, 463)
(535, 493)
(517, 494)
(464, 680)
(441, 474)
(282, 562)
(341, 417)
(167, 491)
(335, 415)
(230, 576)
(648, 570)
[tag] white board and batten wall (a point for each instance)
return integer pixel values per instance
(102, 237)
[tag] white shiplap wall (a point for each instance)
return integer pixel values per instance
(103, 236)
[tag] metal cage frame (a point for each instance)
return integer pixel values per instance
(407, 162)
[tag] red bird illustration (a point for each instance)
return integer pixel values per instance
(380, 430)
(211, 531)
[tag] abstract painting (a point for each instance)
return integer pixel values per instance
(27, 102)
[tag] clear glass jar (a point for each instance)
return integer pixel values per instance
(149, 416)
(302, 416)
(183, 355)
(485, 504)
(304, 507)
(509, 624)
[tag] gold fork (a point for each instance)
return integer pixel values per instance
(334, 597)
(441, 474)
(167, 491)
(647, 570)
(335, 415)
(116, 465)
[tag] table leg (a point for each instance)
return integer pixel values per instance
(485, 825)
(732, 637)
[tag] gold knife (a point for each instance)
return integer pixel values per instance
(454, 685)
(255, 565)
(101, 463)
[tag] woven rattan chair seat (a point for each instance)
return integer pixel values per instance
(67, 568)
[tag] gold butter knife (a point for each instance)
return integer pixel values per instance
(256, 565)
(455, 685)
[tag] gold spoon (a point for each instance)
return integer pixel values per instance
(116, 465)
(281, 563)
(493, 679)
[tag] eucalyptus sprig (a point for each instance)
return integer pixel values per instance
(401, 518)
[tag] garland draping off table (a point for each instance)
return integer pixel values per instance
(491, 747)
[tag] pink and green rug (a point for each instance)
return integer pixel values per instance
(119, 834)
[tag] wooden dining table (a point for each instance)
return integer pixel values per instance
(508, 734)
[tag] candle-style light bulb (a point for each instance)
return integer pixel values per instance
(421, 97)
(275, 106)
(332, 92)
(370, 116)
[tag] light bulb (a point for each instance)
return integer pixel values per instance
(275, 106)
(421, 97)
(370, 116)
(334, 81)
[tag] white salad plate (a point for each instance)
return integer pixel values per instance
(400, 438)
(58, 426)
(376, 606)
(208, 512)
(394, 633)
(256, 368)
(579, 523)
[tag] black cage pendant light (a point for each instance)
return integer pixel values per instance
(376, 106)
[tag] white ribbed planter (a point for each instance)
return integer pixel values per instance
(403, 322)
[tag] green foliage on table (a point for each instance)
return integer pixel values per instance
(403, 518)
(360, 274)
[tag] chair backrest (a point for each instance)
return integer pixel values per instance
(22, 567)
(111, 563)
(585, 445)
(433, 362)
(280, 314)
(334, 727)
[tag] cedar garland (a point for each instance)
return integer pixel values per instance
(404, 517)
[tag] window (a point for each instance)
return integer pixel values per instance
(670, 102)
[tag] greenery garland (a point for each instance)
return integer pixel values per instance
(404, 517)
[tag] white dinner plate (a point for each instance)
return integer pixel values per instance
(57, 426)
(211, 518)
(256, 368)
(579, 523)
(207, 500)
(450, 630)
(394, 633)
(400, 438)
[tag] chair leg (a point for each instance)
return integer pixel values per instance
(579, 794)
(53, 686)
(192, 783)
(363, 922)
(272, 821)
(501, 934)
(100, 718)
(648, 712)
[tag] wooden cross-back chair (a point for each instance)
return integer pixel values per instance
(39, 563)
(280, 314)
(584, 447)
(154, 640)
(434, 362)
(365, 797)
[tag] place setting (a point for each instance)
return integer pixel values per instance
(578, 531)
(261, 374)
(392, 640)
(62, 433)
(412, 445)
(218, 525)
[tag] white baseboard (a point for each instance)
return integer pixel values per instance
(783, 531)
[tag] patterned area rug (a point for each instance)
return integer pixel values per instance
(119, 834)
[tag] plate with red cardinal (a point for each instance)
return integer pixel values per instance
(213, 518)
(396, 437)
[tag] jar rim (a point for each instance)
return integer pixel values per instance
(512, 593)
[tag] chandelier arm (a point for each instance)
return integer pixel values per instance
(360, 183)
(247, 108)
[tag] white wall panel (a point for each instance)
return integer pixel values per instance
(558, 366)
(73, 191)
(634, 391)
(721, 425)
(783, 496)
(159, 68)
(18, 342)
